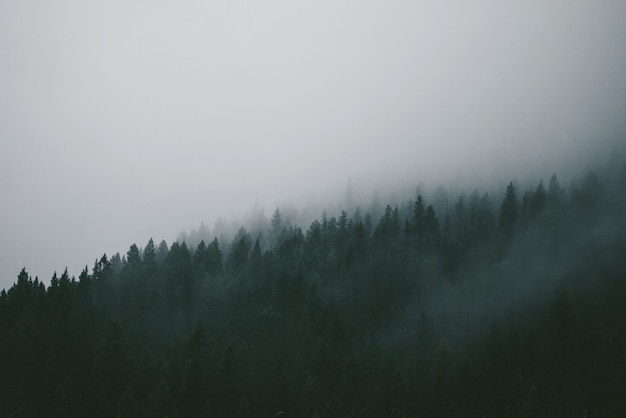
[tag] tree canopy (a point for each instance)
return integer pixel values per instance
(499, 306)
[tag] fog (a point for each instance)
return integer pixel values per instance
(123, 121)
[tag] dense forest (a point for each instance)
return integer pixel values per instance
(503, 304)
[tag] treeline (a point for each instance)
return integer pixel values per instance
(498, 307)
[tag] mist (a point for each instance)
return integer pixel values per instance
(120, 122)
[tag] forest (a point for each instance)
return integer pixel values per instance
(505, 303)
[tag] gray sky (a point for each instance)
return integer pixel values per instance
(122, 120)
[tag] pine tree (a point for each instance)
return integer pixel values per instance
(508, 210)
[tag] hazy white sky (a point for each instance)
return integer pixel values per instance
(122, 120)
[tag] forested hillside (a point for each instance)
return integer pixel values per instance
(504, 305)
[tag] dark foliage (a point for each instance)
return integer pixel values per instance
(492, 309)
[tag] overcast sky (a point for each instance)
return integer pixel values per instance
(122, 120)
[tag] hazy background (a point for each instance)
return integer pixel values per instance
(125, 120)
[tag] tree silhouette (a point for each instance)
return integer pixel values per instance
(349, 317)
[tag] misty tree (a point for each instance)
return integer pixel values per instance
(430, 227)
(162, 252)
(179, 275)
(204, 232)
(508, 210)
(588, 196)
(214, 257)
(389, 224)
(554, 190)
(200, 256)
(460, 220)
(133, 258)
(239, 250)
(419, 214)
(533, 202)
(276, 228)
(84, 279)
(539, 199)
(150, 258)
(328, 321)
(256, 254)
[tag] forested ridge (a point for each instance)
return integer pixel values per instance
(503, 304)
